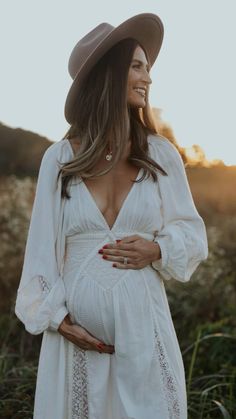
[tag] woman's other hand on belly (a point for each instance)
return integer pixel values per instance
(132, 252)
(82, 338)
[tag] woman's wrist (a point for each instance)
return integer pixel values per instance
(65, 325)
(157, 252)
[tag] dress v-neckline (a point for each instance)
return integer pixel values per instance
(92, 199)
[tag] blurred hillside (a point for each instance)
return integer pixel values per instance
(20, 151)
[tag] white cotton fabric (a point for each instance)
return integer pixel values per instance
(63, 272)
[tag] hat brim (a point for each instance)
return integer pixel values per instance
(146, 28)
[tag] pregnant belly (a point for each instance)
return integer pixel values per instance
(90, 282)
(91, 306)
(106, 311)
(100, 297)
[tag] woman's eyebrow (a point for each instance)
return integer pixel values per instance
(142, 63)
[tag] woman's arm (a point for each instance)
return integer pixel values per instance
(182, 239)
(40, 302)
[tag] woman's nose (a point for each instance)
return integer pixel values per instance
(147, 78)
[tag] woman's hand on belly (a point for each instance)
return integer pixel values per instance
(82, 338)
(132, 252)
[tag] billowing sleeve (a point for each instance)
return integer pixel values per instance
(182, 238)
(40, 301)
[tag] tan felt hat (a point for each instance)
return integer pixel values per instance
(146, 28)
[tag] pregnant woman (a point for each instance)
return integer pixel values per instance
(113, 219)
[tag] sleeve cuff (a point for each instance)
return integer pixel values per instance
(58, 318)
(160, 264)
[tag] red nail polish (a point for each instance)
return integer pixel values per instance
(118, 241)
(104, 257)
(105, 247)
(114, 265)
(100, 251)
(99, 347)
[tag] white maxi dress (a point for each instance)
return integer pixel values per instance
(64, 273)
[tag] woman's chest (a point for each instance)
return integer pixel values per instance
(141, 210)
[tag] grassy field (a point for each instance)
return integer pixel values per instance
(203, 310)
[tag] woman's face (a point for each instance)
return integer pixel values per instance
(138, 79)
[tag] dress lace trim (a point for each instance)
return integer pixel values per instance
(80, 385)
(169, 385)
(43, 284)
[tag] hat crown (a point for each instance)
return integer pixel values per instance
(86, 46)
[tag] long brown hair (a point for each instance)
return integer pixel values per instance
(103, 120)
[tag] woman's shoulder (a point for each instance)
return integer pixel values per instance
(158, 140)
(163, 148)
(59, 150)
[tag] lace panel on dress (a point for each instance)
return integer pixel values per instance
(169, 385)
(43, 284)
(79, 385)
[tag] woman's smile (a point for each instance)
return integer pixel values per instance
(141, 91)
(138, 79)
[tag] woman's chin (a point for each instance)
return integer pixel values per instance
(137, 104)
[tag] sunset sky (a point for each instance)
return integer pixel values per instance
(193, 79)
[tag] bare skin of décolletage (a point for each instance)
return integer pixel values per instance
(109, 196)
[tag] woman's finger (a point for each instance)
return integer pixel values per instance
(119, 265)
(96, 344)
(125, 241)
(91, 346)
(118, 253)
(120, 246)
(130, 239)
